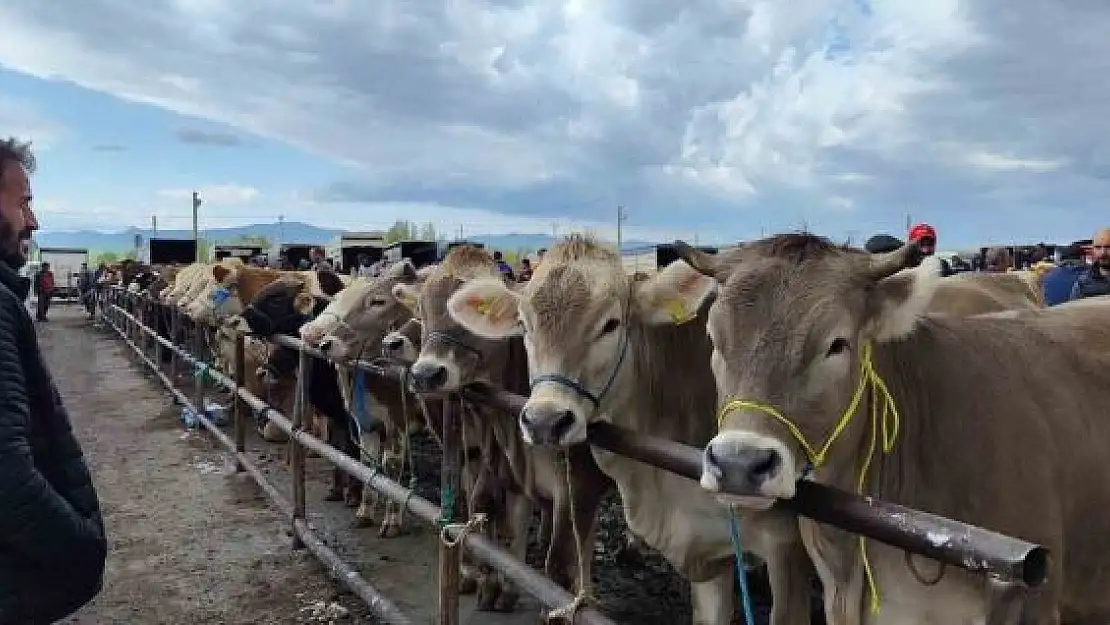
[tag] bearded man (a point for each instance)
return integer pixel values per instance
(52, 543)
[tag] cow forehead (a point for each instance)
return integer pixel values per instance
(566, 297)
(783, 301)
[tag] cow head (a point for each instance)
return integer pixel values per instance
(793, 326)
(361, 314)
(284, 305)
(450, 355)
(403, 344)
(580, 315)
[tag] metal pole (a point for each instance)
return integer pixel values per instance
(449, 555)
(300, 410)
(196, 232)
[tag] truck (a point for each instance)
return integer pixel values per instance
(169, 252)
(420, 253)
(293, 252)
(345, 249)
(243, 251)
(65, 262)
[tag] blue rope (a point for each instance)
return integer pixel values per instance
(741, 571)
(362, 415)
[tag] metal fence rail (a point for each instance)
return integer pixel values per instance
(1010, 564)
(547, 592)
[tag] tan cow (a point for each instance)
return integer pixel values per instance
(801, 327)
(604, 347)
(972, 293)
(452, 357)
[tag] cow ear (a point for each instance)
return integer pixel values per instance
(303, 303)
(486, 307)
(674, 295)
(219, 272)
(329, 281)
(402, 270)
(899, 301)
(408, 295)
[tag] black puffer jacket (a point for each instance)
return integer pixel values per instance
(52, 544)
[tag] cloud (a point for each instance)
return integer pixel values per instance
(109, 147)
(215, 194)
(737, 115)
(20, 119)
(203, 137)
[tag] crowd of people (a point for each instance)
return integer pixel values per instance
(1069, 272)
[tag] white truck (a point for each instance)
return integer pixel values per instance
(65, 262)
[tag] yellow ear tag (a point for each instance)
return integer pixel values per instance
(676, 308)
(481, 305)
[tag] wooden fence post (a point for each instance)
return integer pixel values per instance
(198, 369)
(300, 414)
(241, 408)
(450, 497)
(175, 326)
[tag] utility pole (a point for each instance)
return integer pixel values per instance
(196, 238)
(281, 229)
(909, 222)
(554, 230)
(153, 226)
(621, 216)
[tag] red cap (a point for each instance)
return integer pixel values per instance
(921, 231)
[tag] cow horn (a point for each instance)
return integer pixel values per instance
(889, 263)
(702, 262)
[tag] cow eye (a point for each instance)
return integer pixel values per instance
(838, 346)
(378, 301)
(610, 326)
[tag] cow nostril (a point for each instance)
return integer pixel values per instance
(393, 344)
(764, 463)
(563, 423)
(325, 345)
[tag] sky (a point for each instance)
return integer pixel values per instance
(714, 120)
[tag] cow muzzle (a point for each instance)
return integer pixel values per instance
(429, 376)
(748, 469)
(548, 424)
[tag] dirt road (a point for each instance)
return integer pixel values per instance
(188, 543)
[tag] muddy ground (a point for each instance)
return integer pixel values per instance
(193, 543)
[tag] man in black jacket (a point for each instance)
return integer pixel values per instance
(52, 543)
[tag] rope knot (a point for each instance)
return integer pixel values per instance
(476, 523)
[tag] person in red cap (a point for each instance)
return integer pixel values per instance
(926, 238)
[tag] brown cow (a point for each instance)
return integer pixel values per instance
(800, 327)
(352, 327)
(604, 347)
(485, 468)
(450, 358)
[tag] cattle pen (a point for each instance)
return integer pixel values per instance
(1011, 566)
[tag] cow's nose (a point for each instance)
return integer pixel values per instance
(738, 469)
(326, 344)
(428, 377)
(545, 425)
(393, 344)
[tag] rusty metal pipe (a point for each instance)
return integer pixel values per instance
(944, 540)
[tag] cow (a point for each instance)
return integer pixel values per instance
(568, 486)
(352, 327)
(971, 293)
(803, 329)
(280, 307)
(485, 470)
(606, 347)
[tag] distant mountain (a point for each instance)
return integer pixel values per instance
(289, 232)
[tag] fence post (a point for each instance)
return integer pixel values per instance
(241, 407)
(157, 307)
(175, 325)
(300, 415)
(198, 371)
(450, 556)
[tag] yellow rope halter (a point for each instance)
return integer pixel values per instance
(884, 418)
